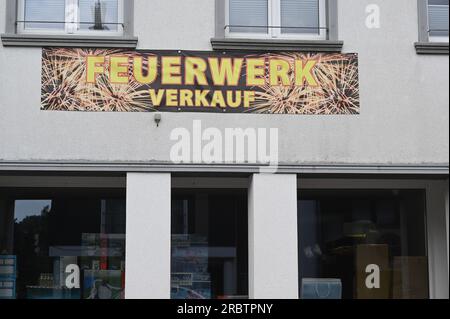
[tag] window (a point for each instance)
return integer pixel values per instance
(62, 244)
(362, 244)
(297, 19)
(438, 20)
(81, 17)
(209, 244)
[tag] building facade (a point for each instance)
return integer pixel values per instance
(93, 205)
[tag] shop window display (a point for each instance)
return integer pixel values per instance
(209, 245)
(362, 244)
(62, 244)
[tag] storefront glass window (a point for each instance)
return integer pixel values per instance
(362, 244)
(62, 244)
(209, 245)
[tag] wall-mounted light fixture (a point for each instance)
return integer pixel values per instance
(157, 119)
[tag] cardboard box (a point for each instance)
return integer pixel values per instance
(365, 257)
(410, 278)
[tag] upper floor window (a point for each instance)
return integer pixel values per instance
(300, 19)
(81, 17)
(438, 20)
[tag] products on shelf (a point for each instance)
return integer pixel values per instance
(46, 280)
(100, 275)
(190, 278)
(8, 266)
(7, 288)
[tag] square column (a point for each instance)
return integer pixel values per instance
(437, 240)
(148, 239)
(447, 218)
(272, 215)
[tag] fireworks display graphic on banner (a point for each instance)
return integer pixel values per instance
(117, 80)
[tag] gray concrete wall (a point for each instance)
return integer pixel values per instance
(404, 98)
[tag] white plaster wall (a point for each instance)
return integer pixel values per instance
(272, 228)
(148, 236)
(404, 98)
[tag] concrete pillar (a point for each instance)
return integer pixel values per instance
(272, 214)
(446, 217)
(148, 236)
(437, 240)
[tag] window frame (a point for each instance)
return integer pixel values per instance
(20, 27)
(12, 38)
(274, 19)
(424, 45)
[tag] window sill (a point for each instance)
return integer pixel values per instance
(276, 45)
(432, 48)
(33, 40)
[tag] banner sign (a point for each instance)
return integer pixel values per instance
(109, 80)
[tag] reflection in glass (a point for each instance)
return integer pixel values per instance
(65, 247)
(209, 246)
(372, 242)
(103, 14)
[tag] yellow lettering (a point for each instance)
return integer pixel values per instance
(93, 67)
(249, 96)
(152, 70)
(118, 69)
(225, 72)
(156, 97)
(171, 97)
(237, 101)
(171, 70)
(255, 72)
(200, 98)
(218, 100)
(186, 98)
(279, 72)
(304, 72)
(195, 69)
